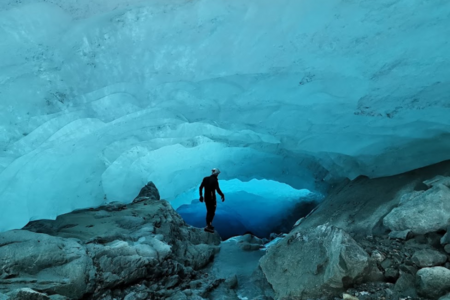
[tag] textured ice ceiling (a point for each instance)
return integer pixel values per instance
(99, 96)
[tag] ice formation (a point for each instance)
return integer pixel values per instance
(262, 188)
(258, 206)
(99, 96)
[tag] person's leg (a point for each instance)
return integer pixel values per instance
(211, 211)
(208, 211)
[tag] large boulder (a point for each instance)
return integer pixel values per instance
(433, 282)
(122, 262)
(314, 262)
(421, 212)
(429, 258)
(44, 263)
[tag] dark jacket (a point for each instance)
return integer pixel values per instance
(211, 185)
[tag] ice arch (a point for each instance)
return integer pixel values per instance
(258, 187)
(97, 97)
(257, 206)
(88, 162)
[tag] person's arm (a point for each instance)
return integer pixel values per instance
(201, 190)
(220, 192)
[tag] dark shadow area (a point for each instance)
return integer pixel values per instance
(300, 210)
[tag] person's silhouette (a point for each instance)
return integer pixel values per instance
(211, 185)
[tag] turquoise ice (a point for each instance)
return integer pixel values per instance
(97, 97)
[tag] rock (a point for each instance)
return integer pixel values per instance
(434, 239)
(195, 284)
(132, 296)
(27, 256)
(408, 269)
(273, 236)
(58, 297)
(433, 282)
(348, 297)
(378, 256)
(231, 282)
(149, 191)
(446, 297)
(223, 292)
(249, 242)
(121, 263)
(421, 212)
(446, 238)
(260, 284)
(298, 222)
(386, 264)
(178, 296)
(3, 297)
(88, 252)
(405, 285)
(438, 180)
(372, 273)
(389, 293)
(400, 235)
(428, 258)
(27, 294)
(320, 261)
(391, 274)
(447, 248)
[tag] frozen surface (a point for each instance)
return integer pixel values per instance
(99, 96)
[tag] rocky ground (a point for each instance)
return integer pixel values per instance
(139, 251)
(387, 238)
(370, 239)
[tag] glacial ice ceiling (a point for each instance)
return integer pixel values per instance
(99, 96)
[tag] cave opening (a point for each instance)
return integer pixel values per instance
(259, 207)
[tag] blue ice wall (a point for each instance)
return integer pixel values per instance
(98, 97)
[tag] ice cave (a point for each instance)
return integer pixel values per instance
(259, 207)
(329, 121)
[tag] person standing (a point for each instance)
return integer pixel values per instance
(211, 185)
